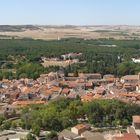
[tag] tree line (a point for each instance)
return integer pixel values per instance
(65, 113)
(26, 53)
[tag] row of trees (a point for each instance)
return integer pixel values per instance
(33, 70)
(26, 70)
(120, 69)
(65, 113)
(23, 70)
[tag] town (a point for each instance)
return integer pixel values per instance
(69, 70)
(88, 87)
(77, 89)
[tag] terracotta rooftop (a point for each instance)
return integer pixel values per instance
(128, 95)
(127, 136)
(87, 98)
(25, 103)
(136, 119)
(65, 91)
(80, 126)
(51, 90)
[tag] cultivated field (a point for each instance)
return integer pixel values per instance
(58, 32)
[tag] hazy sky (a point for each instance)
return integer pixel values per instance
(75, 12)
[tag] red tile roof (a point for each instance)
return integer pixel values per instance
(65, 91)
(25, 103)
(127, 136)
(136, 119)
(128, 95)
(87, 98)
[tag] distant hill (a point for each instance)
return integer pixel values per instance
(17, 28)
(51, 32)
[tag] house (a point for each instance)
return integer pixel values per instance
(75, 85)
(48, 93)
(138, 87)
(68, 135)
(108, 76)
(9, 111)
(26, 103)
(88, 97)
(136, 122)
(52, 76)
(136, 60)
(132, 98)
(65, 91)
(88, 85)
(73, 95)
(80, 128)
(71, 56)
(92, 136)
(42, 79)
(129, 87)
(131, 130)
(90, 76)
(28, 96)
(100, 90)
(131, 79)
(127, 136)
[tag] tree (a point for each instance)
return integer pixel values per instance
(13, 125)
(59, 115)
(1, 76)
(30, 136)
(75, 73)
(1, 120)
(125, 122)
(65, 72)
(36, 129)
(126, 68)
(7, 125)
(52, 136)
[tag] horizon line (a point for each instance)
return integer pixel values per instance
(69, 25)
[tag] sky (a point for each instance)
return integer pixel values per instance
(70, 12)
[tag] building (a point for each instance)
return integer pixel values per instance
(136, 60)
(80, 128)
(90, 76)
(131, 79)
(88, 97)
(136, 122)
(71, 56)
(68, 135)
(52, 76)
(127, 136)
(92, 136)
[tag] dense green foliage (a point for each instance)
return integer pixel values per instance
(52, 136)
(65, 113)
(36, 48)
(24, 70)
(30, 137)
(99, 58)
